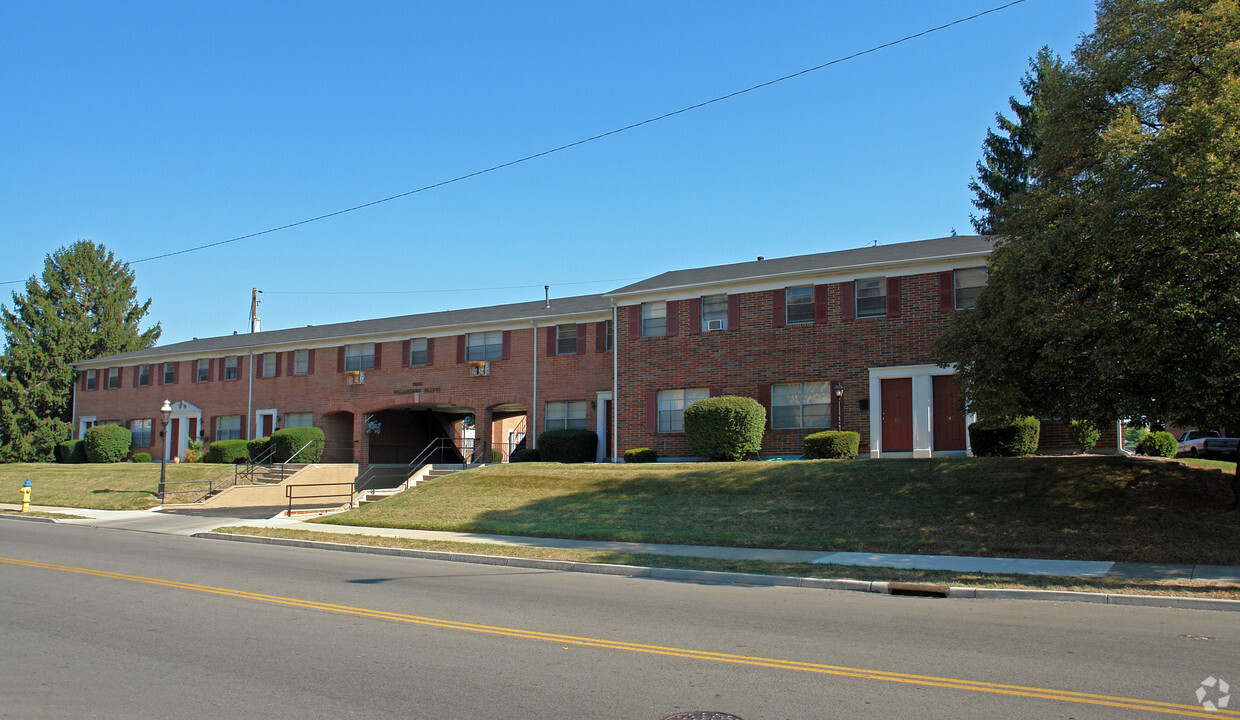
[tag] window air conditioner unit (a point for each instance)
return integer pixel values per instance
(479, 368)
(354, 377)
(716, 324)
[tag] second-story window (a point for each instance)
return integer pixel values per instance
(654, 319)
(714, 313)
(301, 362)
(144, 375)
(114, 378)
(230, 367)
(484, 345)
(799, 304)
(359, 357)
(204, 371)
(872, 297)
(565, 339)
(417, 351)
(969, 283)
(269, 365)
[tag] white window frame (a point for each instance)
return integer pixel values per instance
(203, 370)
(144, 378)
(789, 402)
(233, 423)
(294, 419)
(565, 414)
(799, 305)
(170, 373)
(269, 364)
(92, 379)
(970, 292)
(231, 364)
(484, 345)
(301, 362)
(873, 292)
(359, 356)
(672, 404)
(566, 339)
(609, 329)
(114, 378)
(148, 432)
(714, 308)
(654, 319)
(417, 351)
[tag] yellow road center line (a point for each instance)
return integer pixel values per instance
(1153, 706)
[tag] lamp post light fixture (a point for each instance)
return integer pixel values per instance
(165, 412)
(839, 411)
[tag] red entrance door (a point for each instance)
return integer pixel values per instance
(607, 412)
(268, 421)
(174, 438)
(897, 414)
(949, 425)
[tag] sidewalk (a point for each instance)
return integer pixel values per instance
(184, 524)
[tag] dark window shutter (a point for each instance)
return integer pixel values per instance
(734, 312)
(673, 318)
(81, 379)
(193, 371)
(430, 351)
(778, 316)
(460, 348)
(404, 354)
(652, 412)
(378, 356)
(764, 399)
(893, 297)
(505, 351)
(695, 316)
(279, 363)
(600, 337)
(155, 428)
(292, 362)
(820, 303)
(215, 426)
(159, 372)
(260, 367)
(243, 435)
(310, 363)
(340, 359)
(581, 338)
(120, 379)
(553, 332)
(176, 372)
(219, 366)
(947, 291)
(848, 300)
(635, 321)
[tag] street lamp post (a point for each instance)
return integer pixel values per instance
(165, 412)
(839, 410)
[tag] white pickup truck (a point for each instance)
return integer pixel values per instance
(1205, 443)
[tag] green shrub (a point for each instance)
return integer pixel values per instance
(1008, 437)
(497, 456)
(71, 452)
(107, 443)
(525, 455)
(1084, 434)
(574, 445)
(1158, 444)
(832, 444)
(258, 448)
(142, 457)
(289, 440)
(227, 451)
(726, 427)
(640, 455)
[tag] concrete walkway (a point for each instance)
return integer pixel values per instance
(185, 523)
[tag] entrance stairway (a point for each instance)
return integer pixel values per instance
(271, 475)
(377, 475)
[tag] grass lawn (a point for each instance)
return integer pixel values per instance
(115, 486)
(1084, 508)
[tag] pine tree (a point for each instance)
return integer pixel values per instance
(83, 306)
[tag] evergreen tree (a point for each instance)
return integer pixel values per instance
(83, 306)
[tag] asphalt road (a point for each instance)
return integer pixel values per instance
(108, 623)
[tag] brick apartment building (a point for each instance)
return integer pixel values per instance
(837, 339)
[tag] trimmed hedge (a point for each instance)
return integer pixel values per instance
(832, 444)
(641, 455)
(71, 452)
(289, 440)
(1158, 444)
(1084, 434)
(575, 445)
(726, 427)
(107, 443)
(228, 451)
(142, 457)
(1005, 437)
(525, 455)
(258, 447)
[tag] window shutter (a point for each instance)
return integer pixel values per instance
(635, 321)
(553, 332)
(378, 356)
(820, 303)
(734, 312)
(430, 351)
(652, 412)
(600, 337)
(193, 371)
(120, 379)
(893, 297)
(778, 316)
(176, 372)
(243, 435)
(310, 363)
(155, 428)
(215, 426)
(81, 379)
(695, 316)
(159, 372)
(673, 318)
(292, 362)
(848, 300)
(404, 353)
(947, 291)
(505, 352)
(764, 399)
(340, 359)
(260, 367)
(460, 348)
(279, 359)
(581, 338)
(219, 366)
(135, 376)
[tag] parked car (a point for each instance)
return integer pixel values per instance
(1193, 442)
(1221, 447)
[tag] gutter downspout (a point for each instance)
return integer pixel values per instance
(73, 430)
(533, 431)
(615, 381)
(249, 401)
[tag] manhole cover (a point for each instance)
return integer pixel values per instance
(702, 715)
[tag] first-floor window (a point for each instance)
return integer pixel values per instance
(969, 283)
(872, 297)
(298, 419)
(672, 404)
(484, 345)
(269, 365)
(141, 430)
(565, 415)
(417, 351)
(801, 405)
(359, 357)
(228, 427)
(144, 375)
(301, 362)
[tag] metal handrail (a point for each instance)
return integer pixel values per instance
(288, 493)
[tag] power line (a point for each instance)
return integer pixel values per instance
(577, 143)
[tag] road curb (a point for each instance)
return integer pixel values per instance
(27, 519)
(732, 578)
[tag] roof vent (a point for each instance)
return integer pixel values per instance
(760, 258)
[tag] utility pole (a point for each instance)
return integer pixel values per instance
(255, 301)
(249, 404)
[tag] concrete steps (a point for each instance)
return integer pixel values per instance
(379, 493)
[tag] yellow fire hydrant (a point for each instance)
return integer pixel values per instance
(26, 496)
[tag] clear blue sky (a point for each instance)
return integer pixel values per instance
(153, 127)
